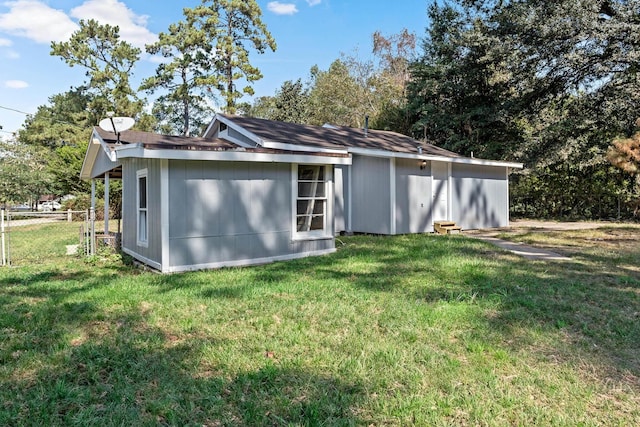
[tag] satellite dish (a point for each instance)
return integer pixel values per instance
(116, 124)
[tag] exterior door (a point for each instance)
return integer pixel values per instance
(440, 195)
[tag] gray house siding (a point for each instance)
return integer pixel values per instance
(480, 196)
(231, 133)
(413, 197)
(153, 251)
(103, 164)
(240, 137)
(340, 207)
(371, 194)
(226, 213)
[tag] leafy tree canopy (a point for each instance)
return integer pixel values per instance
(109, 64)
(186, 100)
(24, 175)
(231, 28)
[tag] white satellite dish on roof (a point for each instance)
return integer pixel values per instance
(116, 124)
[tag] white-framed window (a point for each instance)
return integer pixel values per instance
(142, 222)
(312, 201)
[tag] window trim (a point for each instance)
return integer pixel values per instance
(326, 231)
(142, 173)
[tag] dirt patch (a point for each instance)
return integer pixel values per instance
(566, 226)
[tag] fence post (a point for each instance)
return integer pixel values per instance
(92, 225)
(4, 253)
(69, 216)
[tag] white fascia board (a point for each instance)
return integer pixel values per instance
(464, 160)
(231, 125)
(95, 144)
(295, 147)
(210, 127)
(137, 151)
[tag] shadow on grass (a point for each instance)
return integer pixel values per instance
(66, 360)
(597, 310)
(118, 369)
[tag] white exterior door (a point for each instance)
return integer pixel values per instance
(440, 195)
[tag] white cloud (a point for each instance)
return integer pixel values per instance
(12, 54)
(113, 12)
(16, 84)
(314, 2)
(5, 42)
(37, 21)
(282, 8)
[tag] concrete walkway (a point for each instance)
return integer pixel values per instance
(526, 251)
(536, 226)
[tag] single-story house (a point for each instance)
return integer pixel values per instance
(253, 191)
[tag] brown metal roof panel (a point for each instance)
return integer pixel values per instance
(149, 138)
(335, 137)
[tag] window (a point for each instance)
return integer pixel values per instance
(141, 207)
(311, 201)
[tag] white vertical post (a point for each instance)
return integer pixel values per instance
(349, 200)
(93, 194)
(4, 253)
(392, 196)
(92, 232)
(106, 203)
(92, 219)
(164, 213)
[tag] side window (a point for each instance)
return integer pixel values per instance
(311, 201)
(141, 207)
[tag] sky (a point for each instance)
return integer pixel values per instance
(307, 32)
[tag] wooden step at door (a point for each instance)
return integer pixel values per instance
(446, 227)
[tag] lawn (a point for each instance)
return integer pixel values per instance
(405, 330)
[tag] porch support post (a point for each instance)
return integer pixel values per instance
(92, 219)
(392, 196)
(106, 203)
(93, 194)
(349, 200)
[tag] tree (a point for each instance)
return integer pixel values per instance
(109, 63)
(169, 118)
(62, 127)
(230, 25)
(459, 88)
(625, 154)
(546, 83)
(23, 173)
(289, 104)
(334, 97)
(186, 103)
(395, 54)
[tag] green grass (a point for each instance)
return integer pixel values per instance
(408, 330)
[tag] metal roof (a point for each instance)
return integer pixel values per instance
(335, 137)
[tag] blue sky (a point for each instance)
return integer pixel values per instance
(308, 32)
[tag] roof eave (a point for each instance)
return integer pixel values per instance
(139, 151)
(434, 157)
(96, 143)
